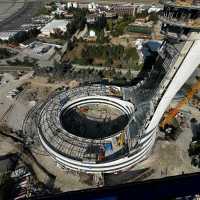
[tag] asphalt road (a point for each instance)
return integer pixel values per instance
(21, 16)
(14, 68)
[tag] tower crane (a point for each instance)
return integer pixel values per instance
(168, 117)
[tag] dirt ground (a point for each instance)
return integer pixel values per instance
(127, 40)
(7, 146)
(171, 158)
(168, 157)
(75, 53)
(65, 181)
(45, 168)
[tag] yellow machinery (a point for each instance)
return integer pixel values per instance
(121, 139)
(168, 117)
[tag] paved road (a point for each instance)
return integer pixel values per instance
(8, 8)
(15, 68)
(21, 16)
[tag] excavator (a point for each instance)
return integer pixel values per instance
(169, 116)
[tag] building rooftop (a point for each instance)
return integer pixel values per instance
(54, 24)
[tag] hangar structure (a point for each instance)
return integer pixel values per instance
(115, 138)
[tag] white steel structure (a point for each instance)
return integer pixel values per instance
(142, 105)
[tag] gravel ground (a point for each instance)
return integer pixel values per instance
(16, 117)
(9, 83)
(167, 159)
(171, 158)
(7, 146)
(65, 181)
(43, 164)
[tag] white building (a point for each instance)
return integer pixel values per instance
(92, 33)
(52, 26)
(154, 9)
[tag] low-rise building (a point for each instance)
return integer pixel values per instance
(127, 9)
(110, 14)
(92, 18)
(68, 15)
(53, 26)
(141, 27)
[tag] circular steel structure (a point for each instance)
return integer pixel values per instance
(111, 153)
(142, 105)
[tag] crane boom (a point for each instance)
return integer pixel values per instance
(168, 117)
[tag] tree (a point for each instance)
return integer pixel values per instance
(33, 32)
(128, 18)
(58, 33)
(109, 25)
(78, 22)
(143, 14)
(22, 36)
(100, 22)
(19, 37)
(128, 75)
(153, 17)
(101, 38)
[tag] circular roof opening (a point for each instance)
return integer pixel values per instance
(93, 120)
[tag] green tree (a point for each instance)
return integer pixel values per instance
(153, 17)
(128, 75)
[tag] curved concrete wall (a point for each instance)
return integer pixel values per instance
(107, 167)
(124, 106)
(139, 154)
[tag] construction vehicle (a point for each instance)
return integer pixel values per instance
(169, 116)
(121, 139)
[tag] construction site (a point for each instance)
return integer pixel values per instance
(80, 136)
(160, 164)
